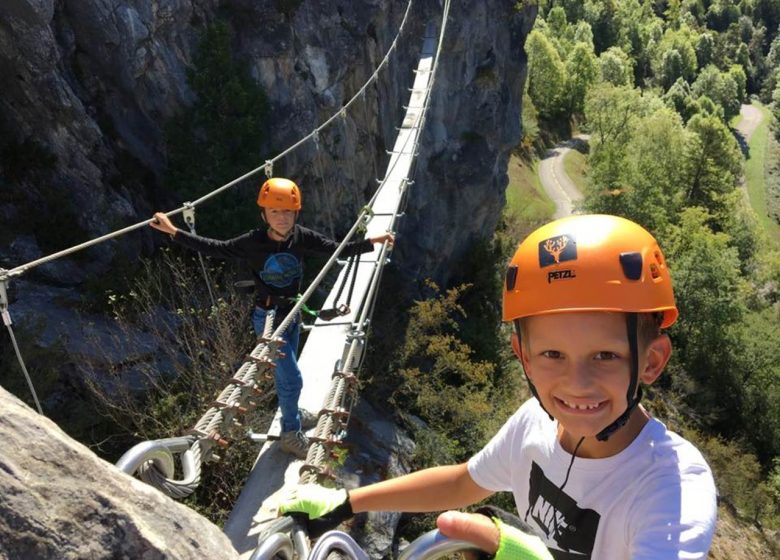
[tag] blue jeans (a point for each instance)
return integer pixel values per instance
(288, 378)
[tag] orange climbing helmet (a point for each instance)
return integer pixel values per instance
(589, 263)
(279, 193)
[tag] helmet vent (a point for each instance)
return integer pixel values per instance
(632, 265)
(654, 272)
(511, 277)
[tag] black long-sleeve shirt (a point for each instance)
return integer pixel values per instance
(277, 266)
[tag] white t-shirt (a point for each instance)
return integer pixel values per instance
(655, 500)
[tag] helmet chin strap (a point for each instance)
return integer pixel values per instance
(516, 324)
(284, 236)
(634, 393)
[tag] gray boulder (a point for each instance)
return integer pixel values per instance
(59, 500)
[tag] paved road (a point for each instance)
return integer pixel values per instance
(559, 187)
(751, 118)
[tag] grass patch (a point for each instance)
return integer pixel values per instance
(575, 164)
(755, 174)
(526, 200)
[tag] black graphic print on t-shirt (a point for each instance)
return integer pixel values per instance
(572, 528)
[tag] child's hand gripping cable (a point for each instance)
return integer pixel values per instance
(514, 544)
(325, 508)
(501, 535)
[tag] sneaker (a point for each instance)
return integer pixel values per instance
(295, 443)
(308, 419)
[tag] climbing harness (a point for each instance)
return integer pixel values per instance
(342, 309)
(339, 310)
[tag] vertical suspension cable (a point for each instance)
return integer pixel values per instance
(189, 219)
(318, 165)
(355, 187)
(24, 370)
(7, 321)
(368, 134)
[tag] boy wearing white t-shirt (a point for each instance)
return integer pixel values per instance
(592, 474)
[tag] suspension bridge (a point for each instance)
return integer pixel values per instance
(330, 360)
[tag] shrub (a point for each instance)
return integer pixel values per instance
(202, 346)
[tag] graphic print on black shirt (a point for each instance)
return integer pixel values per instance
(281, 270)
(572, 528)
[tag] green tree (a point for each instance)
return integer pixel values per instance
(703, 105)
(575, 9)
(745, 29)
(758, 67)
(640, 31)
(655, 170)
(671, 68)
(737, 73)
(220, 136)
(645, 180)
(721, 87)
(556, 21)
(601, 15)
(767, 12)
(721, 14)
(772, 63)
(776, 105)
(611, 114)
(680, 98)
(675, 57)
(582, 71)
(713, 161)
(705, 270)
(439, 380)
(759, 363)
(705, 49)
(737, 219)
(530, 128)
(695, 9)
(673, 12)
(546, 75)
(616, 67)
(583, 34)
(742, 56)
(737, 476)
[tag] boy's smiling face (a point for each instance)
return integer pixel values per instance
(580, 365)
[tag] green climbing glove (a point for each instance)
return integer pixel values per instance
(515, 544)
(317, 501)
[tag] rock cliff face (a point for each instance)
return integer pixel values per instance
(61, 501)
